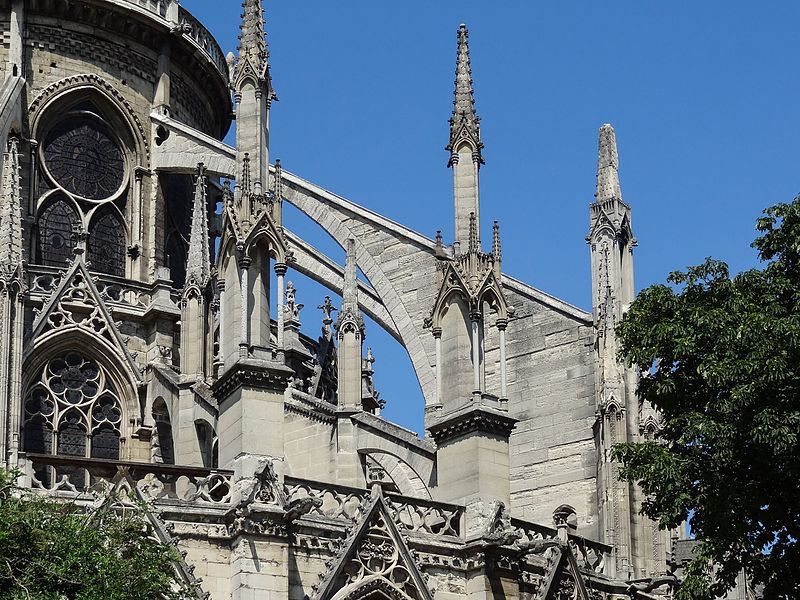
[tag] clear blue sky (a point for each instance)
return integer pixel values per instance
(703, 95)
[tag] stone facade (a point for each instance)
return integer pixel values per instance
(152, 338)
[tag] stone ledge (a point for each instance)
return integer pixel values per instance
(472, 418)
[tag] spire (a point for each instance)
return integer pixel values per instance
(253, 38)
(607, 166)
(474, 244)
(465, 123)
(350, 289)
(198, 266)
(11, 211)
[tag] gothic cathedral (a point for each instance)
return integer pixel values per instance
(151, 338)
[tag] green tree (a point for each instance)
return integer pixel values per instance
(61, 551)
(721, 362)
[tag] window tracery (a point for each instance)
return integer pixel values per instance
(84, 164)
(74, 409)
(107, 244)
(58, 226)
(83, 158)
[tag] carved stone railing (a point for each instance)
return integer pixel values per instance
(338, 501)
(77, 477)
(184, 23)
(157, 7)
(590, 555)
(193, 29)
(115, 291)
(427, 516)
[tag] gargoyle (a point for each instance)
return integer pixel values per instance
(648, 585)
(301, 506)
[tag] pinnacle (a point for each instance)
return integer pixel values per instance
(252, 36)
(350, 291)
(198, 267)
(607, 165)
(464, 115)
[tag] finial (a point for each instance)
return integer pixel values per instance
(198, 263)
(252, 38)
(607, 165)
(245, 185)
(496, 251)
(474, 242)
(327, 309)
(278, 181)
(439, 239)
(465, 123)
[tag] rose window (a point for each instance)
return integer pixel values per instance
(83, 158)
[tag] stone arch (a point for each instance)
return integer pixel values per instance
(79, 392)
(98, 349)
(407, 480)
(342, 220)
(74, 89)
(456, 343)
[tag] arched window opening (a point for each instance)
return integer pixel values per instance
(74, 398)
(84, 162)
(58, 226)
(162, 444)
(107, 244)
(207, 440)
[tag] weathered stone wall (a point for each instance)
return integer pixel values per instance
(551, 391)
(310, 443)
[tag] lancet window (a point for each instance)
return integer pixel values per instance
(84, 181)
(72, 409)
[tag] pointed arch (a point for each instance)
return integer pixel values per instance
(71, 91)
(107, 241)
(57, 225)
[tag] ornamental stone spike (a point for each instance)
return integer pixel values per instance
(198, 264)
(350, 288)
(253, 38)
(465, 119)
(11, 209)
(607, 166)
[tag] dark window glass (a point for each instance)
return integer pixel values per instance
(107, 244)
(84, 159)
(58, 224)
(72, 442)
(72, 436)
(38, 436)
(105, 443)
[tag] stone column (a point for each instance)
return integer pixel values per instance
(502, 324)
(244, 266)
(280, 272)
(475, 319)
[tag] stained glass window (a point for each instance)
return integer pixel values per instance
(107, 244)
(58, 225)
(84, 159)
(75, 398)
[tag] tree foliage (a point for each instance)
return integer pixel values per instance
(61, 551)
(721, 362)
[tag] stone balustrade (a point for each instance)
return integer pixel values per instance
(184, 23)
(75, 477)
(590, 555)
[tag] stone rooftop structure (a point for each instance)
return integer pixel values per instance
(151, 338)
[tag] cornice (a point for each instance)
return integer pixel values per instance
(252, 373)
(472, 419)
